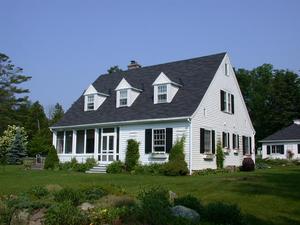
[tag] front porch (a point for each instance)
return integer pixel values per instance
(102, 144)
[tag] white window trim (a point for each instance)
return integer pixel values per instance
(227, 136)
(228, 103)
(159, 152)
(237, 140)
(162, 93)
(88, 102)
(226, 69)
(122, 98)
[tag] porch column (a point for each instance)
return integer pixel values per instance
(54, 137)
(96, 144)
(74, 142)
(84, 145)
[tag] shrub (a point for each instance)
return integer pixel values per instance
(153, 169)
(177, 165)
(248, 164)
(101, 216)
(90, 163)
(190, 202)
(175, 168)
(65, 213)
(115, 167)
(132, 154)
(68, 194)
(116, 201)
(222, 213)
(27, 163)
(220, 157)
(93, 193)
(39, 191)
(154, 206)
(52, 160)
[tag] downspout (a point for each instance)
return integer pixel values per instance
(190, 145)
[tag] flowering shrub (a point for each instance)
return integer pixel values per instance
(101, 216)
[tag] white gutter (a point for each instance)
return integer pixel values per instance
(271, 141)
(190, 145)
(120, 123)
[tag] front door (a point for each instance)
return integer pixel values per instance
(108, 148)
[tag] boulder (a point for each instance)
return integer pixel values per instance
(86, 206)
(37, 217)
(20, 217)
(187, 213)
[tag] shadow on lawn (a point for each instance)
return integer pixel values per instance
(286, 185)
(252, 220)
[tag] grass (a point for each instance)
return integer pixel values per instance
(269, 196)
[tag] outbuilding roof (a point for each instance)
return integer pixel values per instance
(289, 133)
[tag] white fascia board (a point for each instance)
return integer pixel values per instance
(163, 79)
(275, 141)
(92, 91)
(122, 122)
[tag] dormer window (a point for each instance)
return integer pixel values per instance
(162, 93)
(164, 89)
(90, 102)
(123, 98)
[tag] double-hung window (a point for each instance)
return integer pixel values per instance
(60, 142)
(277, 149)
(123, 98)
(90, 102)
(207, 142)
(162, 93)
(235, 141)
(227, 102)
(159, 140)
(225, 140)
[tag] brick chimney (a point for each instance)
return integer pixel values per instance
(297, 121)
(133, 65)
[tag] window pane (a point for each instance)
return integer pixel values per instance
(69, 141)
(108, 130)
(123, 102)
(60, 142)
(104, 145)
(207, 141)
(162, 88)
(159, 140)
(111, 142)
(90, 140)
(80, 142)
(162, 98)
(123, 94)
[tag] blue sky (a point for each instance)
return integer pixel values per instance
(65, 44)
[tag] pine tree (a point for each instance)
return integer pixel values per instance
(57, 114)
(17, 150)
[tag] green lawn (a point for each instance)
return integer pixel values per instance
(270, 196)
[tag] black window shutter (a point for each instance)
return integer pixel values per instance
(282, 149)
(244, 145)
(232, 104)
(228, 140)
(250, 144)
(268, 149)
(223, 139)
(201, 140)
(213, 142)
(233, 141)
(118, 139)
(238, 141)
(222, 100)
(148, 141)
(298, 148)
(169, 139)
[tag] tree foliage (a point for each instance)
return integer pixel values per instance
(57, 114)
(114, 69)
(12, 96)
(272, 97)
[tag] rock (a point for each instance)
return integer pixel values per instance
(187, 213)
(20, 217)
(86, 206)
(172, 196)
(37, 217)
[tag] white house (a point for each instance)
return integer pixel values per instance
(198, 98)
(283, 143)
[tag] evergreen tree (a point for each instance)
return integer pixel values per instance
(114, 69)
(57, 114)
(11, 95)
(17, 149)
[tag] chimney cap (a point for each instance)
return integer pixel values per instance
(133, 65)
(297, 121)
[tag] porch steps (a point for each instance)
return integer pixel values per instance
(98, 169)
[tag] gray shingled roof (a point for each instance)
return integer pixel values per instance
(291, 132)
(194, 75)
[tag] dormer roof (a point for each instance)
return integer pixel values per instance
(194, 76)
(163, 79)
